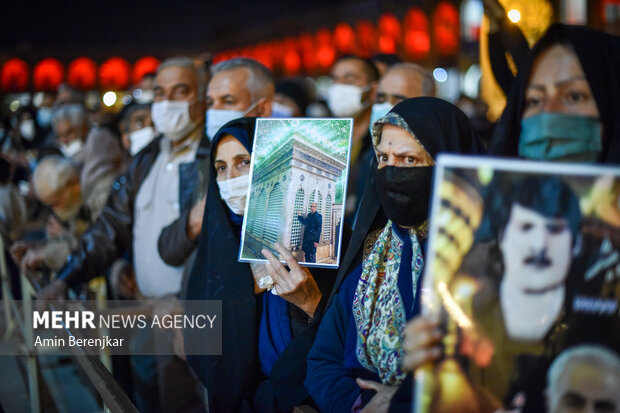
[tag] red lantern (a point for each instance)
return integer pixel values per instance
(82, 73)
(366, 38)
(307, 48)
(114, 73)
(262, 54)
(292, 60)
(389, 33)
(14, 76)
(325, 53)
(275, 47)
(446, 28)
(144, 65)
(48, 74)
(417, 37)
(344, 38)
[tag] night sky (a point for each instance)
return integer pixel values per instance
(66, 29)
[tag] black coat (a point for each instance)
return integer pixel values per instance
(312, 233)
(111, 234)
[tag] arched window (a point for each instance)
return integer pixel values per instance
(296, 230)
(312, 199)
(258, 215)
(273, 215)
(327, 219)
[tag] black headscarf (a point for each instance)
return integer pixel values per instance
(599, 55)
(234, 380)
(217, 275)
(440, 127)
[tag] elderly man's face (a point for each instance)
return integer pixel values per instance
(585, 388)
(68, 132)
(398, 85)
(180, 84)
(228, 91)
(536, 250)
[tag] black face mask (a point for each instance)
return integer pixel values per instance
(405, 193)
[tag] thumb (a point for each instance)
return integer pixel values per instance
(368, 384)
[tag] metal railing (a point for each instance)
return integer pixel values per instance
(113, 396)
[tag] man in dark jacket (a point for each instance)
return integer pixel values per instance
(158, 184)
(312, 232)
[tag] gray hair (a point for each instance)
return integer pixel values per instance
(260, 80)
(187, 63)
(73, 112)
(588, 353)
(53, 173)
(428, 83)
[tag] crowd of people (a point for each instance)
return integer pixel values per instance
(150, 199)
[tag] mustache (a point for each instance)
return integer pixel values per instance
(540, 260)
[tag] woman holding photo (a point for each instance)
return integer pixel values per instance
(356, 359)
(266, 335)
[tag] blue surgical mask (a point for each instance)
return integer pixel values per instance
(378, 111)
(278, 110)
(561, 137)
(44, 116)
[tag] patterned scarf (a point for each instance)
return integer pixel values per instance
(378, 309)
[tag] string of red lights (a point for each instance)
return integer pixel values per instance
(413, 37)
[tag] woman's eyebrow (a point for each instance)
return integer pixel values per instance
(564, 82)
(407, 153)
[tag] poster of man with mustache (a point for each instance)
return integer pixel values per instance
(523, 265)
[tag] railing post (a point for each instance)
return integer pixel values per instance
(32, 367)
(6, 291)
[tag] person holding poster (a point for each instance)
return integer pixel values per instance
(563, 107)
(356, 358)
(268, 328)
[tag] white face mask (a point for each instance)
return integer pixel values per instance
(140, 138)
(345, 100)
(278, 110)
(378, 111)
(216, 118)
(72, 148)
(171, 117)
(26, 129)
(146, 96)
(234, 192)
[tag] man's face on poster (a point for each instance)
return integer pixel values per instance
(536, 250)
(585, 388)
(313, 207)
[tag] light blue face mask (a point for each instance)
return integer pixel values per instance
(45, 116)
(378, 111)
(561, 137)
